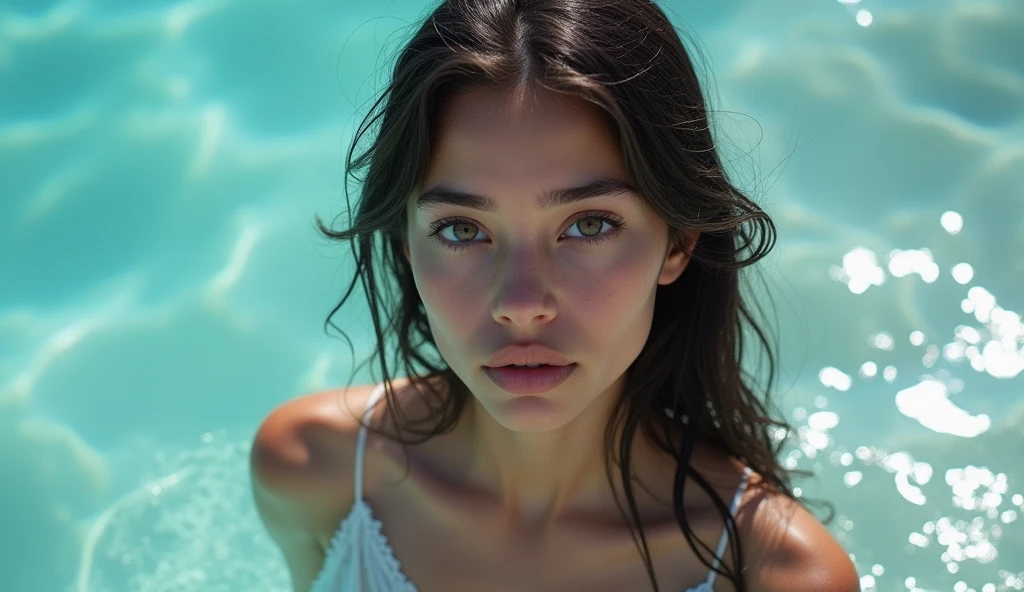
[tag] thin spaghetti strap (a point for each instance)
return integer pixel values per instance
(361, 442)
(725, 533)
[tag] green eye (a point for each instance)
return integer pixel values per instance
(590, 226)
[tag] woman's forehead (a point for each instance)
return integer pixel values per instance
(481, 133)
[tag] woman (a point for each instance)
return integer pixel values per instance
(561, 250)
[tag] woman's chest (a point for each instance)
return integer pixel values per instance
(469, 550)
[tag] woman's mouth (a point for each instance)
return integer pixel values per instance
(529, 379)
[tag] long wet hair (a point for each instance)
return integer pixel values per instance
(625, 57)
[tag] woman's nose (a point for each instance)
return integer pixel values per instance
(522, 296)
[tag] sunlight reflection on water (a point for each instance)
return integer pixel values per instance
(995, 345)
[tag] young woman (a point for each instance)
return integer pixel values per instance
(550, 249)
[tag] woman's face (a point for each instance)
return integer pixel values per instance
(578, 276)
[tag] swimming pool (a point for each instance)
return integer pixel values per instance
(163, 287)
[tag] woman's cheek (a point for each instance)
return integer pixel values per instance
(445, 283)
(625, 269)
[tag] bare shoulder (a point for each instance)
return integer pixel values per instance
(306, 446)
(787, 548)
(301, 465)
(308, 442)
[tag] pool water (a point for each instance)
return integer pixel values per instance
(163, 287)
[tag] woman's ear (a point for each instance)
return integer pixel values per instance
(405, 249)
(680, 251)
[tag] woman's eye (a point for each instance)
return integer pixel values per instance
(589, 226)
(460, 232)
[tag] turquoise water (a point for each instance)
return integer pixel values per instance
(163, 288)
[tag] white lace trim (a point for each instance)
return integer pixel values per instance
(360, 558)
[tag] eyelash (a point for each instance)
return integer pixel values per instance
(436, 228)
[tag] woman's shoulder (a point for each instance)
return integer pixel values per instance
(302, 466)
(308, 444)
(786, 547)
(306, 437)
(303, 454)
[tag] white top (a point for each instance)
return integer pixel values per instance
(360, 557)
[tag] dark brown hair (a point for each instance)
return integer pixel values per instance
(625, 57)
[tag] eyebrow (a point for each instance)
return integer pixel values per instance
(442, 194)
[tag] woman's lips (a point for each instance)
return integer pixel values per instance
(520, 380)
